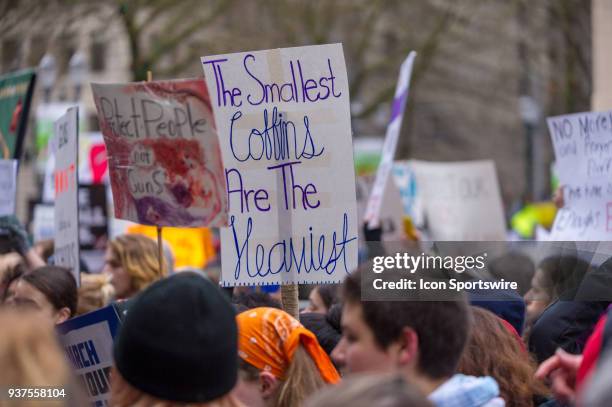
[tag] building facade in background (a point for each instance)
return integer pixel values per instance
(476, 61)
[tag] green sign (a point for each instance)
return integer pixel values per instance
(15, 94)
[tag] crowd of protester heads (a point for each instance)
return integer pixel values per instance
(546, 344)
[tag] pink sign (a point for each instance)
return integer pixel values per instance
(163, 153)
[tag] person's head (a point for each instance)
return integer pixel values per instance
(30, 356)
(95, 292)
(49, 291)
(281, 362)
(493, 349)
(132, 262)
(513, 266)
(366, 390)
(253, 299)
(186, 326)
(554, 276)
(321, 298)
(327, 335)
(422, 339)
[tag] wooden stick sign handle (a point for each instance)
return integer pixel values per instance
(160, 247)
(290, 301)
(160, 250)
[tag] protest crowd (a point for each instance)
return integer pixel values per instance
(255, 271)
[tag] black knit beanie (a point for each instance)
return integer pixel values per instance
(178, 341)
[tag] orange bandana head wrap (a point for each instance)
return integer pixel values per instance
(268, 338)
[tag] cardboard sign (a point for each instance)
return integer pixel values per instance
(88, 342)
(461, 200)
(65, 148)
(191, 247)
(163, 153)
(8, 187)
(393, 131)
(583, 151)
(284, 126)
(15, 95)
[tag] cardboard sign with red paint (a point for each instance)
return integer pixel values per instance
(163, 153)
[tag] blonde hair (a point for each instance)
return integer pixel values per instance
(95, 292)
(124, 394)
(301, 379)
(30, 356)
(138, 256)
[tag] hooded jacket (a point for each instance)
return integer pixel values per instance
(467, 391)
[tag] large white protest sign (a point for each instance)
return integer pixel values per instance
(8, 186)
(88, 342)
(393, 131)
(583, 151)
(64, 145)
(162, 153)
(284, 126)
(461, 200)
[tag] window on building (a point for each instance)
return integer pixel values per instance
(98, 52)
(67, 48)
(38, 47)
(11, 54)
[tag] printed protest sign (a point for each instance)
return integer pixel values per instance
(583, 151)
(393, 131)
(461, 200)
(8, 186)
(88, 342)
(15, 95)
(163, 153)
(284, 127)
(65, 148)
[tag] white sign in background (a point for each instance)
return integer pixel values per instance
(43, 222)
(461, 200)
(583, 152)
(400, 99)
(405, 179)
(283, 121)
(92, 156)
(8, 187)
(65, 148)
